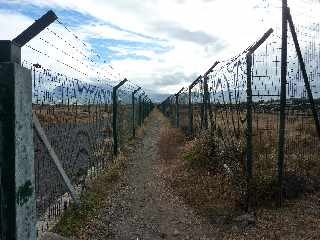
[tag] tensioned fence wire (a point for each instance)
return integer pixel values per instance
(72, 98)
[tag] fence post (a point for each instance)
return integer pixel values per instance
(190, 110)
(144, 109)
(249, 105)
(18, 205)
(249, 131)
(190, 114)
(115, 116)
(133, 112)
(205, 102)
(177, 108)
(140, 109)
(17, 187)
(282, 114)
(207, 106)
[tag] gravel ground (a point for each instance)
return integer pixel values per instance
(142, 207)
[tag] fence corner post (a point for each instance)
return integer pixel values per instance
(18, 200)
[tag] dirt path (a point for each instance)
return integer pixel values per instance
(142, 206)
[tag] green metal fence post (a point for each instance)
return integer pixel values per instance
(206, 97)
(133, 112)
(178, 108)
(140, 109)
(249, 131)
(205, 102)
(190, 110)
(115, 116)
(283, 97)
(249, 106)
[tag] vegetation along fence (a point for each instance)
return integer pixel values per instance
(57, 130)
(262, 104)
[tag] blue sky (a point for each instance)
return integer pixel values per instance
(161, 45)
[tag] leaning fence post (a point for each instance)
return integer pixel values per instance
(115, 115)
(133, 112)
(304, 73)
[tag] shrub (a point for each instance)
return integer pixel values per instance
(221, 156)
(202, 152)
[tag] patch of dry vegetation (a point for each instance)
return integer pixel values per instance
(75, 221)
(171, 140)
(209, 174)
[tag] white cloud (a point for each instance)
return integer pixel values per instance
(197, 31)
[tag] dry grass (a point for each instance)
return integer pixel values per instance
(171, 140)
(216, 194)
(74, 221)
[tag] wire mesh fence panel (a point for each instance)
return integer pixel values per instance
(75, 117)
(301, 152)
(72, 98)
(125, 130)
(227, 87)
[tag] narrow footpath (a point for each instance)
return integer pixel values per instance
(142, 206)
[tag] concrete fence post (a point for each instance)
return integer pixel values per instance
(18, 200)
